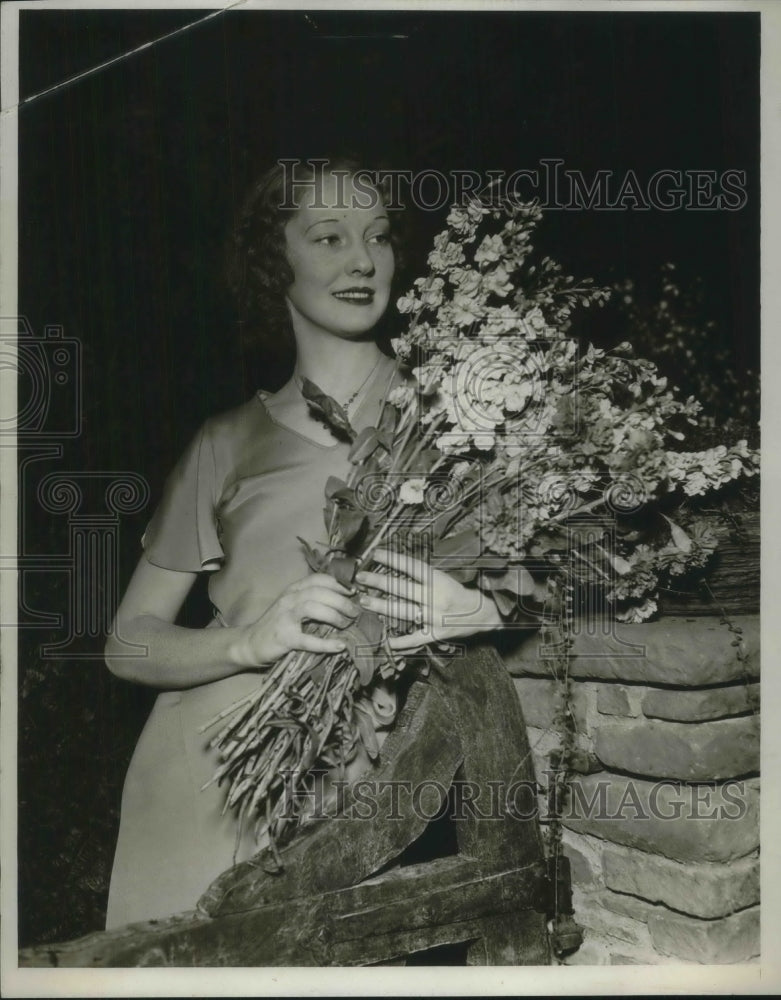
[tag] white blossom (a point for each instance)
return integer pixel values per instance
(490, 250)
(412, 491)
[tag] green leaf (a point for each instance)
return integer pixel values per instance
(350, 524)
(619, 564)
(337, 489)
(371, 625)
(315, 560)
(328, 408)
(364, 445)
(460, 556)
(425, 461)
(679, 536)
(464, 574)
(463, 543)
(363, 640)
(505, 602)
(446, 520)
(342, 568)
(464, 548)
(387, 427)
(515, 579)
(385, 438)
(566, 537)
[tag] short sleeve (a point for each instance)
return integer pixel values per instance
(183, 532)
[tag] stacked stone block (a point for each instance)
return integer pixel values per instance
(662, 824)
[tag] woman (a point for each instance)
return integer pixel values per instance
(247, 487)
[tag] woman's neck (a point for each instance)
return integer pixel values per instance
(335, 365)
(354, 373)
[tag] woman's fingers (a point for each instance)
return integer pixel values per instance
(406, 643)
(323, 614)
(399, 587)
(319, 595)
(318, 644)
(414, 568)
(379, 581)
(320, 580)
(403, 610)
(403, 598)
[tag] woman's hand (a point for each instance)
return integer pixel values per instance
(440, 606)
(316, 598)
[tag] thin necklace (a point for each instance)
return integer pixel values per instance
(353, 396)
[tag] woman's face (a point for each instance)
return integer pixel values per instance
(341, 256)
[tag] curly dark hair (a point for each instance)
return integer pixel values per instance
(258, 270)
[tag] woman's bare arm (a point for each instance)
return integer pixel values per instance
(175, 657)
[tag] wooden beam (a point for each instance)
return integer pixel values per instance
(402, 911)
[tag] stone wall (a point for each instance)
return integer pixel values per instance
(662, 824)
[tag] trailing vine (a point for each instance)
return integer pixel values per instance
(566, 935)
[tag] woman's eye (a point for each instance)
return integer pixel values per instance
(329, 241)
(383, 239)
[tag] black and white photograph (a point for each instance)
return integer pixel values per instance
(381, 448)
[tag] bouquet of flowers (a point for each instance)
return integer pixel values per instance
(510, 458)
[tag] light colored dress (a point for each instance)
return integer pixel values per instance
(236, 501)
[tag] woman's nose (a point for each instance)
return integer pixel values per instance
(360, 261)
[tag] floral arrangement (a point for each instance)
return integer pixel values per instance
(512, 459)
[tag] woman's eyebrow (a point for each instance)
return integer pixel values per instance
(319, 223)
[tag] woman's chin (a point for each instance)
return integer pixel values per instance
(357, 333)
(358, 321)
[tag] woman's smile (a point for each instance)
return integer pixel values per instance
(356, 296)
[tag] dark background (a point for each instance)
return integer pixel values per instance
(129, 179)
